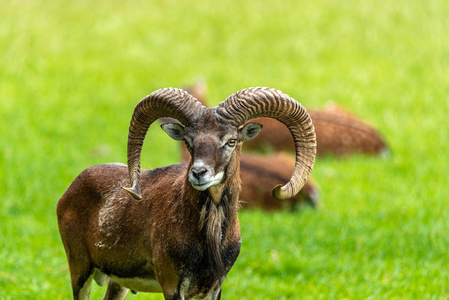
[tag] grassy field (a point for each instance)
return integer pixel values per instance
(72, 71)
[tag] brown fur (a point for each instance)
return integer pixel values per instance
(198, 90)
(184, 238)
(338, 133)
(96, 238)
(260, 172)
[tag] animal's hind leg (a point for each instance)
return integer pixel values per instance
(115, 291)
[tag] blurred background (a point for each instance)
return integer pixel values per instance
(71, 73)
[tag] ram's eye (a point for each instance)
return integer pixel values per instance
(231, 143)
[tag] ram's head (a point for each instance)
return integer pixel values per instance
(214, 135)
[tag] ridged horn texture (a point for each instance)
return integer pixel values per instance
(265, 102)
(168, 102)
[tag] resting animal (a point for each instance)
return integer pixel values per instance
(180, 235)
(338, 133)
(258, 172)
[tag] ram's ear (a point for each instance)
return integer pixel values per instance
(249, 131)
(174, 130)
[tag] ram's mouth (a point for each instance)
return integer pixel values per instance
(202, 186)
(206, 182)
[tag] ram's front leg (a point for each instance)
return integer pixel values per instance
(168, 279)
(214, 295)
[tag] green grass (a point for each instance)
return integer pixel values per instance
(72, 71)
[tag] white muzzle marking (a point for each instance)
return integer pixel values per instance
(205, 176)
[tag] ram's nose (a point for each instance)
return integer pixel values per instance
(198, 173)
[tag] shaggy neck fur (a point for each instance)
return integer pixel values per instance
(221, 202)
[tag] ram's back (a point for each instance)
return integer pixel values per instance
(97, 184)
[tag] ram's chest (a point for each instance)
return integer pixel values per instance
(197, 273)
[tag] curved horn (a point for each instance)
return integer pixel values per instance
(264, 102)
(168, 102)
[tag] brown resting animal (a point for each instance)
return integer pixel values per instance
(258, 172)
(175, 230)
(338, 133)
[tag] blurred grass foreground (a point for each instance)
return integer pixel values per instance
(72, 71)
